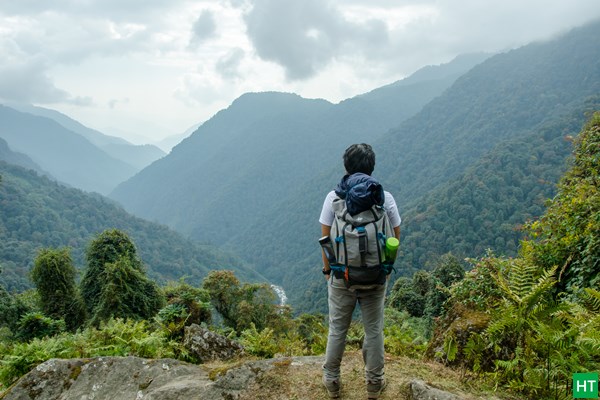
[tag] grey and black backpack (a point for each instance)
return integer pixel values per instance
(359, 245)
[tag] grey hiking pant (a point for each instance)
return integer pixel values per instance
(342, 302)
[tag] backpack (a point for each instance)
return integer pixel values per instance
(359, 244)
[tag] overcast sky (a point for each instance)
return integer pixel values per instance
(153, 68)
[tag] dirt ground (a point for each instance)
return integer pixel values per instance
(292, 379)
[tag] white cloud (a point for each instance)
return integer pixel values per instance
(228, 65)
(305, 36)
(27, 82)
(189, 58)
(204, 28)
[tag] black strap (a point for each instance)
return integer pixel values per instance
(362, 244)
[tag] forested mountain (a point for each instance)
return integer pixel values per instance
(262, 148)
(138, 156)
(466, 171)
(37, 212)
(502, 98)
(485, 207)
(67, 156)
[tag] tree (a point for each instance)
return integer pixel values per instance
(447, 271)
(241, 306)
(568, 235)
(115, 283)
(11, 310)
(405, 297)
(186, 305)
(223, 287)
(53, 274)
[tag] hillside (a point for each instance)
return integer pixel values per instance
(11, 157)
(504, 97)
(67, 156)
(263, 147)
(486, 206)
(36, 212)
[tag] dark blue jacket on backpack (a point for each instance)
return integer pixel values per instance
(361, 192)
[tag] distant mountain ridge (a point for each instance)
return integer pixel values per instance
(68, 155)
(138, 156)
(260, 149)
(22, 160)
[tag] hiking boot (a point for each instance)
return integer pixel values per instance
(333, 388)
(374, 388)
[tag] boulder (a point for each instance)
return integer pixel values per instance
(207, 346)
(110, 378)
(419, 390)
(133, 378)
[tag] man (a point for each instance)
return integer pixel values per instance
(358, 158)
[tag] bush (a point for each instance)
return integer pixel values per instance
(36, 325)
(260, 343)
(404, 335)
(404, 297)
(12, 309)
(109, 247)
(312, 332)
(115, 337)
(243, 305)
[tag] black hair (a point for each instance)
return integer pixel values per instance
(359, 158)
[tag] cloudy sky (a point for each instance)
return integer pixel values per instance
(153, 68)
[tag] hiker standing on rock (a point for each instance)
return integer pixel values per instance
(358, 219)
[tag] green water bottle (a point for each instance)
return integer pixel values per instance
(391, 249)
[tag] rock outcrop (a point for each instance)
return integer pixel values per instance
(133, 378)
(124, 378)
(206, 345)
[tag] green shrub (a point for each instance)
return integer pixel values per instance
(404, 335)
(312, 332)
(261, 344)
(125, 293)
(36, 325)
(186, 305)
(12, 309)
(115, 337)
(404, 297)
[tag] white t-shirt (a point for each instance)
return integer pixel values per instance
(389, 205)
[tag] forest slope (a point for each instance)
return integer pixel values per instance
(36, 212)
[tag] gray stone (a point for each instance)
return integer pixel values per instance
(133, 378)
(206, 345)
(111, 378)
(421, 391)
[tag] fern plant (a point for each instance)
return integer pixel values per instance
(535, 340)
